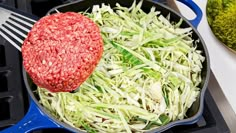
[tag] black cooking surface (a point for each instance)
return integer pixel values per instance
(13, 95)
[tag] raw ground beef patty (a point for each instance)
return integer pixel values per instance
(61, 51)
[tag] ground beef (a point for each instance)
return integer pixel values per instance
(61, 51)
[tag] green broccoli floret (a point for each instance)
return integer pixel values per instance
(221, 15)
(213, 9)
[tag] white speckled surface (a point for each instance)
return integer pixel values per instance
(223, 61)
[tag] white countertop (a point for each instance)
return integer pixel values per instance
(223, 61)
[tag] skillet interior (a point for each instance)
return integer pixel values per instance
(194, 113)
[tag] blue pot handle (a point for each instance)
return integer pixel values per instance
(196, 9)
(33, 120)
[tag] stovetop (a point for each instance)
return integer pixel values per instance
(13, 95)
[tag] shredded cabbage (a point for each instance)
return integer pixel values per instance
(149, 74)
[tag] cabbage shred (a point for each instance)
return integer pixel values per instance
(149, 74)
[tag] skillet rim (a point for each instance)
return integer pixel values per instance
(185, 121)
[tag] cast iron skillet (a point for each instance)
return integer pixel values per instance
(38, 117)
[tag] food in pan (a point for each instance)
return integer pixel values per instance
(148, 76)
(221, 18)
(62, 50)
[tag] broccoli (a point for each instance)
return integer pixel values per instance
(221, 16)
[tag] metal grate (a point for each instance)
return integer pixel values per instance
(23, 5)
(11, 86)
(12, 104)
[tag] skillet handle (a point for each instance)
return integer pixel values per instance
(34, 119)
(196, 9)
